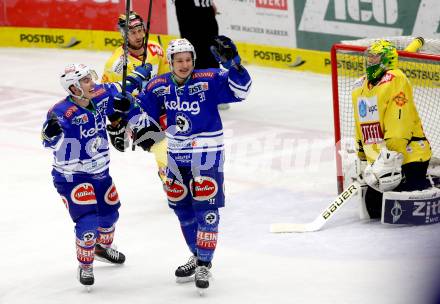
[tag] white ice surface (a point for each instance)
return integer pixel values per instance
(280, 168)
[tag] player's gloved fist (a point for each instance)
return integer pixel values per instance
(225, 52)
(117, 135)
(51, 129)
(122, 102)
(141, 74)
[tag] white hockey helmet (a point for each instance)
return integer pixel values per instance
(73, 73)
(179, 46)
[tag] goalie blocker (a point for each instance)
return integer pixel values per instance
(411, 208)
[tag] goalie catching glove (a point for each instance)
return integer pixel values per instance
(225, 52)
(385, 173)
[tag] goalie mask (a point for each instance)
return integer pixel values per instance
(73, 73)
(180, 46)
(380, 57)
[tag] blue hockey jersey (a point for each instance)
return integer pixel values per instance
(82, 149)
(195, 131)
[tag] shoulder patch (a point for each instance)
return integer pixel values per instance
(155, 49)
(386, 78)
(203, 75)
(358, 83)
(400, 99)
(162, 90)
(155, 82)
(70, 111)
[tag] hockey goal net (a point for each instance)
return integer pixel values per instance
(421, 68)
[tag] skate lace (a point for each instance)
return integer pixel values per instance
(202, 273)
(86, 272)
(190, 264)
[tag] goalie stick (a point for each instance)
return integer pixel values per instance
(323, 217)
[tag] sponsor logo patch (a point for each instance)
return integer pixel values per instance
(176, 191)
(210, 218)
(111, 195)
(368, 109)
(155, 82)
(372, 133)
(80, 119)
(83, 194)
(198, 87)
(203, 75)
(69, 112)
(161, 91)
(204, 188)
(386, 78)
(206, 240)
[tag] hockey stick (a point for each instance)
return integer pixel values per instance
(323, 217)
(144, 59)
(125, 57)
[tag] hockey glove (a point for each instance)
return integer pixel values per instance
(118, 136)
(141, 74)
(385, 173)
(148, 136)
(122, 102)
(225, 52)
(51, 128)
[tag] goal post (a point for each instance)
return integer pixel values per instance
(422, 70)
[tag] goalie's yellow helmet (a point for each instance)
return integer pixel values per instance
(380, 57)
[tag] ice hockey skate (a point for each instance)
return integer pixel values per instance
(185, 272)
(202, 275)
(108, 255)
(86, 277)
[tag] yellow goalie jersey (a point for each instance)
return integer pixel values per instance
(113, 73)
(156, 57)
(386, 114)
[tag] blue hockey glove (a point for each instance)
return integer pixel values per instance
(225, 52)
(51, 129)
(122, 102)
(118, 136)
(141, 73)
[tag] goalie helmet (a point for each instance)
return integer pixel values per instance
(134, 20)
(179, 46)
(73, 73)
(380, 57)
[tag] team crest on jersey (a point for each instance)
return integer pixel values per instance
(203, 188)
(210, 218)
(69, 112)
(400, 99)
(198, 87)
(111, 196)
(183, 123)
(162, 90)
(83, 194)
(358, 83)
(176, 191)
(80, 119)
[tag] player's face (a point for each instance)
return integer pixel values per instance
(183, 64)
(136, 38)
(88, 86)
(372, 59)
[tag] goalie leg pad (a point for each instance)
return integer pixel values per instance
(411, 208)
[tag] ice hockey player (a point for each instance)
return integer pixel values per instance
(195, 143)
(137, 50)
(75, 129)
(390, 139)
